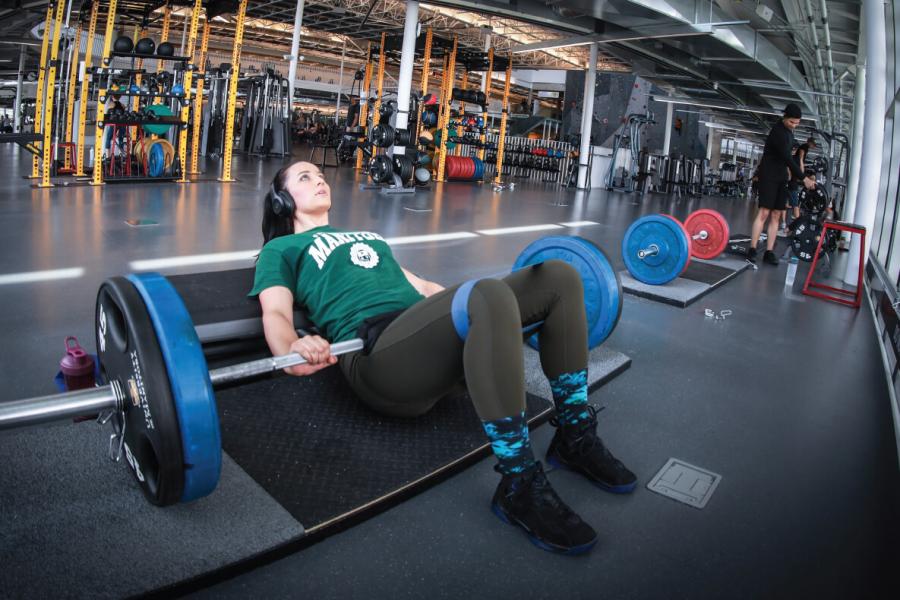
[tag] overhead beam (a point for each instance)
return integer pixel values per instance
(643, 33)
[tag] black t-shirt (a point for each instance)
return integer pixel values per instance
(777, 158)
(352, 114)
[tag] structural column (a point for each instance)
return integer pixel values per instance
(337, 105)
(17, 107)
(407, 60)
(667, 139)
(587, 118)
(873, 131)
(856, 139)
(486, 76)
(295, 49)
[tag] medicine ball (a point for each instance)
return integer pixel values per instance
(123, 43)
(165, 49)
(145, 46)
(178, 90)
(423, 175)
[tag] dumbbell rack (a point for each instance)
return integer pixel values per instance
(530, 158)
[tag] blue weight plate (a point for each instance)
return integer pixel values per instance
(156, 161)
(668, 236)
(189, 379)
(602, 287)
(130, 354)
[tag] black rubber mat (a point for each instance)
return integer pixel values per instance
(706, 273)
(217, 296)
(327, 458)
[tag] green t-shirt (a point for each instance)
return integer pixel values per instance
(340, 278)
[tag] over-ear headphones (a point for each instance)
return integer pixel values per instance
(282, 202)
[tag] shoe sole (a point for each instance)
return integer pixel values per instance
(625, 488)
(572, 551)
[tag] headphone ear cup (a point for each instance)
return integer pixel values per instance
(286, 204)
(282, 203)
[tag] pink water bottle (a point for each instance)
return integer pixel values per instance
(77, 366)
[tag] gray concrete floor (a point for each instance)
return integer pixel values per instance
(786, 399)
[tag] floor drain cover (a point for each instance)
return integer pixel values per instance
(686, 483)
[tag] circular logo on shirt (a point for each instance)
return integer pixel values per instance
(362, 255)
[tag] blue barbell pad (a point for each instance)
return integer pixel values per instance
(667, 235)
(191, 388)
(602, 287)
(459, 308)
(459, 311)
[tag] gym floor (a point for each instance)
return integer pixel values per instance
(786, 399)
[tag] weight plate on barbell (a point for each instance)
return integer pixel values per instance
(662, 234)
(687, 263)
(383, 135)
(129, 354)
(380, 169)
(814, 200)
(188, 376)
(806, 238)
(716, 228)
(602, 286)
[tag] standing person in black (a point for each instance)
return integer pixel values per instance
(353, 112)
(776, 162)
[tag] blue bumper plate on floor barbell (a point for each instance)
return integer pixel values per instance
(189, 380)
(666, 243)
(602, 287)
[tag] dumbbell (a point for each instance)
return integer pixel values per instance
(159, 391)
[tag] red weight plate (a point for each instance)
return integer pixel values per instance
(686, 236)
(717, 234)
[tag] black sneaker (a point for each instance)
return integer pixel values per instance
(770, 259)
(751, 254)
(528, 500)
(579, 449)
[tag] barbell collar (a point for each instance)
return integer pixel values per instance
(241, 371)
(56, 407)
(702, 235)
(653, 250)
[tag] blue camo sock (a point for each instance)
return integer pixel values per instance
(570, 396)
(509, 441)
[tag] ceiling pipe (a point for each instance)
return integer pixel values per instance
(828, 55)
(820, 65)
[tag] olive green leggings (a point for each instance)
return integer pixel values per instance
(420, 357)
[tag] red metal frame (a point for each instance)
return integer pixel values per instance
(857, 295)
(70, 149)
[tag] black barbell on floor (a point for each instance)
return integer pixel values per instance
(159, 396)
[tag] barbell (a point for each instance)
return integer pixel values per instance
(157, 389)
(658, 248)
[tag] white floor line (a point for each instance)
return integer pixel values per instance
(579, 224)
(36, 276)
(525, 229)
(196, 259)
(436, 237)
(249, 255)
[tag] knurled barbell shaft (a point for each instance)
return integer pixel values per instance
(44, 409)
(267, 365)
(92, 401)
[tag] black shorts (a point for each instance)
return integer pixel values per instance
(773, 194)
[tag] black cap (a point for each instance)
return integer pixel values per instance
(792, 111)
